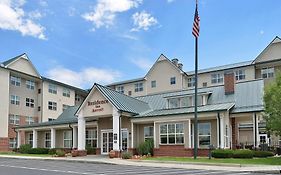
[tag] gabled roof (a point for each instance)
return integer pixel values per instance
(120, 101)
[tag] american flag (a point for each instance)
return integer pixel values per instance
(196, 27)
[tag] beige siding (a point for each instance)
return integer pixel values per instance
(5, 101)
(23, 65)
(273, 52)
(131, 87)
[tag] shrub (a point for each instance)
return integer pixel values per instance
(52, 151)
(38, 151)
(126, 155)
(25, 148)
(263, 154)
(60, 153)
(90, 150)
(222, 153)
(146, 147)
(240, 153)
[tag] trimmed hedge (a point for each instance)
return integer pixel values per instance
(25, 148)
(263, 154)
(243, 153)
(222, 153)
(38, 151)
(90, 150)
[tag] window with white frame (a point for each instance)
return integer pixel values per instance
(204, 134)
(171, 133)
(138, 87)
(66, 92)
(29, 120)
(91, 138)
(30, 138)
(13, 142)
(16, 81)
(148, 132)
(173, 103)
(77, 98)
(191, 82)
(15, 100)
(226, 137)
(120, 89)
(153, 84)
(267, 72)
(216, 78)
(48, 140)
(52, 105)
(173, 80)
(52, 89)
(67, 139)
(240, 75)
(64, 107)
(14, 119)
(30, 84)
(29, 102)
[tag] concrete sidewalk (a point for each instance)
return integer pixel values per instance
(202, 166)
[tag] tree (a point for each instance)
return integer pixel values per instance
(272, 101)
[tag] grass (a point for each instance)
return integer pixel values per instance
(19, 154)
(256, 161)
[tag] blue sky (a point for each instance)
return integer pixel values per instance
(87, 41)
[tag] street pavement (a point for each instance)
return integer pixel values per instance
(42, 167)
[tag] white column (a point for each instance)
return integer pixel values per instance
(132, 135)
(34, 139)
(116, 129)
(53, 138)
(218, 131)
(81, 132)
(255, 130)
(18, 139)
(222, 123)
(154, 135)
(75, 135)
(189, 133)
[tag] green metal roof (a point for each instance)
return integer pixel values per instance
(123, 102)
(5, 63)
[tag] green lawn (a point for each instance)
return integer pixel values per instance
(19, 154)
(259, 161)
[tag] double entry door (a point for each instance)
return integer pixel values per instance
(107, 140)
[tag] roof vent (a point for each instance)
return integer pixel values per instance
(175, 61)
(180, 65)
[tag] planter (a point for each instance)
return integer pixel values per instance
(74, 153)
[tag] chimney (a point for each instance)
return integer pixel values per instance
(229, 83)
(175, 61)
(180, 65)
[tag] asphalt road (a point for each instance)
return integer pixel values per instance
(38, 167)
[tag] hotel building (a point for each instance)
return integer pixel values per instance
(158, 106)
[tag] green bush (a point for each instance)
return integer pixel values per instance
(222, 153)
(126, 155)
(243, 153)
(25, 148)
(90, 150)
(52, 151)
(38, 151)
(60, 153)
(263, 154)
(146, 147)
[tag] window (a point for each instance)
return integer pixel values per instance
(52, 105)
(174, 103)
(205, 84)
(30, 138)
(14, 119)
(240, 75)
(66, 92)
(226, 138)
(171, 134)
(64, 107)
(129, 93)
(15, 81)
(30, 84)
(217, 78)
(50, 119)
(91, 137)
(138, 87)
(39, 91)
(191, 82)
(153, 84)
(204, 134)
(267, 72)
(52, 88)
(173, 80)
(39, 108)
(186, 101)
(120, 89)
(29, 120)
(15, 100)
(29, 102)
(148, 132)
(47, 139)
(12, 142)
(67, 139)
(77, 98)
(124, 137)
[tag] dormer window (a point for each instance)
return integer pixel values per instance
(186, 101)
(191, 82)
(174, 103)
(138, 87)
(173, 80)
(120, 89)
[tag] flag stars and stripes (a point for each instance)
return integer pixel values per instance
(196, 27)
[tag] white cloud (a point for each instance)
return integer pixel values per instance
(13, 17)
(104, 13)
(143, 21)
(84, 78)
(142, 63)
(43, 3)
(35, 14)
(127, 36)
(169, 1)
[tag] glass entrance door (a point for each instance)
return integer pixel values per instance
(107, 142)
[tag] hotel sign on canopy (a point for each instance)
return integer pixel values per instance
(97, 105)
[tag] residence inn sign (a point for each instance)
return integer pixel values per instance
(97, 105)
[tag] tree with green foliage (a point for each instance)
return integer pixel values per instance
(272, 101)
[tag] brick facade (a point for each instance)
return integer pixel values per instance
(229, 83)
(4, 144)
(178, 151)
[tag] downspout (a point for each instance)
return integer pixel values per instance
(71, 135)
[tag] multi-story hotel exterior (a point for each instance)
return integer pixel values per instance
(158, 106)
